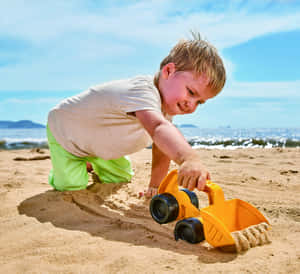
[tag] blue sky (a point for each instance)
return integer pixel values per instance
(50, 50)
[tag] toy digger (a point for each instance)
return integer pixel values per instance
(233, 225)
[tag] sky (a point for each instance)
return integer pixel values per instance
(50, 50)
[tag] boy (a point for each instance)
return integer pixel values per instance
(103, 124)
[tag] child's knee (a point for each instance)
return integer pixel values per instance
(65, 182)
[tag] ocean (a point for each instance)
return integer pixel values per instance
(220, 138)
(231, 138)
(23, 138)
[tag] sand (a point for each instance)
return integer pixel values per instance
(110, 230)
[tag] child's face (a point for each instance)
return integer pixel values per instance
(182, 91)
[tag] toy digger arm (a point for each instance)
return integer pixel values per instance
(169, 184)
(214, 192)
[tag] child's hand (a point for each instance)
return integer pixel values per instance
(151, 192)
(192, 174)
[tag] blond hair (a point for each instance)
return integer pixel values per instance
(199, 56)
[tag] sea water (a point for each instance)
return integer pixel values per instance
(231, 138)
(222, 138)
(23, 138)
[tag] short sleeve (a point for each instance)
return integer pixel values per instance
(141, 95)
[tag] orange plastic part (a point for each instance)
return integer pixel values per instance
(220, 218)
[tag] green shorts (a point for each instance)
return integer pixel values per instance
(69, 171)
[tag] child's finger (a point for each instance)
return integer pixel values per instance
(208, 176)
(201, 183)
(179, 179)
(148, 193)
(151, 192)
(192, 185)
(185, 181)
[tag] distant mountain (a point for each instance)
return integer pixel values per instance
(20, 124)
(187, 125)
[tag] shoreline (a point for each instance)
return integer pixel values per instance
(214, 138)
(213, 144)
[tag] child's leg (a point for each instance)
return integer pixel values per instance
(112, 171)
(69, 171)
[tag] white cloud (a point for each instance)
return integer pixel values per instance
(262, 89)
(150, 21)
(71, 41)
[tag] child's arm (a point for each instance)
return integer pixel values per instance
(160, 167)
(171, 142)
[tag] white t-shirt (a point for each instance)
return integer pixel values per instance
(97, 122)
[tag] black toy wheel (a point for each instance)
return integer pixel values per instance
(193, 197)
(164, 208)
(189, 230)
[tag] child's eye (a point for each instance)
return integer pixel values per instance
(190, 91)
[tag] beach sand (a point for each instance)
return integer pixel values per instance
(110, 230)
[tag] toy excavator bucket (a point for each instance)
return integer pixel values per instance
(221, 217)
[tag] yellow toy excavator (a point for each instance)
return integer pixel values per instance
(232, 225)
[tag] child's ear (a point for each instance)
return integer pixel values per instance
(168, 70)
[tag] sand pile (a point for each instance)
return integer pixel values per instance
(249, 237)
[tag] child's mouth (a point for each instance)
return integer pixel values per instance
(181, 108)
